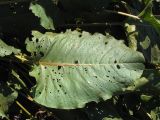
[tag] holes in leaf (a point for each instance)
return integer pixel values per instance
(76, 61)
(114, 77)
(115, 61)
(60, 86)
(109, 71)
(85, 69)
(59, 67)
(50, 92)
(36, 40)
(80, 35)
(57, 90)
(45, 67)
(39, 92)
(34, 53)
(41, 54)
(107, 76)
(105, 43)
(95, 76)
(118, 66)
(65, 93)
(110, 81)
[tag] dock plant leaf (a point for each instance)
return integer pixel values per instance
(73, 68)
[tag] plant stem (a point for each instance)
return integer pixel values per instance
(97, 25)
(123, 13)
(30, 98)
(23, 108)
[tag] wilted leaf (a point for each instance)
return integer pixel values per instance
(75, 68)
(45, 20)
(7, 50)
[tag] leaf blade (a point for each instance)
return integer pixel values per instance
(75, 70)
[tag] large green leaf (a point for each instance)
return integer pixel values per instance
(7, 50)
(75, 68)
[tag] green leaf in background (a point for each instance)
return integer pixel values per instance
(155, 113)
(131, 35)
(7, 50)
(5, 101)
(7, 96)
(155, 52)
(148, 16)
(107, 118)
(76, 68)
(146, 43)
(144, 38)
(45, 20)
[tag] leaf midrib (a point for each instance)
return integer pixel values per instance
(72, 64)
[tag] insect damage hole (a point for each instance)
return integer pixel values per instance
(45, 67)
(59, 67)
(80, 35)
(118, 66)
(36, 40)
(76, 61)
(85, 69)
(41, 54)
